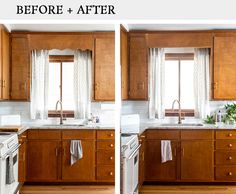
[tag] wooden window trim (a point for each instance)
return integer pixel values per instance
(179, 57)
(60, 59)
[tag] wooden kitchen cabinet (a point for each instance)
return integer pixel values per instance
(43, 155)
(155, 170)
(224, 86)
(104, 67)
(4, 63)
(124, 63)
(138, 67)
(22, 157)
(141, 172)
(84, 169)
(20, 67)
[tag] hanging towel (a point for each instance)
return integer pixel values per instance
(76, 151)
(9, 171)
(166, 152)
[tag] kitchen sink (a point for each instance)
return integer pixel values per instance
(182, 124)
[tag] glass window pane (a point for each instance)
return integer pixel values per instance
(187, 85)
(68, 85)
(54, 85)
(171, 82)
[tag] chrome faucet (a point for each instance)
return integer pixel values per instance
(61, 111)
(173, 104)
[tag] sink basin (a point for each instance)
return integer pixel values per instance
(183, 124)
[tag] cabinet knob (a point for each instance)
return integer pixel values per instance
(111, 158)
(230, 135)
(142, 136)
(111, 134)
(111, 173)
(230, 173)
(230, 145)
(140, 140)
(230, 158)
(111, 145)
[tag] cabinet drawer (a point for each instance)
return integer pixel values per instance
(226, 134)
(106, 173)
(225, 157)
(107, 144)
(225, 173)
(106, 134)
(78, 134)
(197, 134)
(226, 144)
(163, 134)
(44, 134)
(105, 157)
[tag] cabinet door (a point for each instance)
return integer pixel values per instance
(104, 82)
(20, 69)
(43, 160)
(138, 68)
(83, 169)
(154, 169)
(124, 63)
(224, 68)
(141, 163)
(197, 161)
(5, 65)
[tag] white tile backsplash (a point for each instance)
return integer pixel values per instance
(23, 109)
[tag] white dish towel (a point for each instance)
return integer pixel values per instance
(76, 151)
(166, 151)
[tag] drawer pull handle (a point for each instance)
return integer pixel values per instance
(111, 173)
(230, 135)
(230, 173)
(143, 136)
(111, 158)
(111, 145)
(111, 135)
(230, 145)
(230, 158)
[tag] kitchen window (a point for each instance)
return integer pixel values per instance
(179, 83)
(61, 87)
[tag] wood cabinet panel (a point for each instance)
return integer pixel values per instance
(225, 173)
(22, 157)
(224, 68)
(106, 144)
(197, 160)
(225, 134)
(124, 63)
(42, 160)
(104, 67)
(106, 173)
(225, 144)
(83, 169)
(141, 172)
(154, 169)
(225, 157)
(105, 157)
(163, 134)
(78, 134)
(52, 134)
(138, 64)
(106, 134)
(5, 80)
(20, 65)
(197, 134)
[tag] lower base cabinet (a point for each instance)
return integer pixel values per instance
(83, 169)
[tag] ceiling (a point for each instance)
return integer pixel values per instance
(60, 27)
(153, 27)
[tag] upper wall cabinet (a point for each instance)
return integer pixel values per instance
(20, 69)
(104, 67)
(124, 63)
(224, 86)
(4, 63)
(138, 67)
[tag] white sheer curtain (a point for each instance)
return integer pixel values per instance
(201, 82)
(156, 83)
(82, 83)
(39, 84)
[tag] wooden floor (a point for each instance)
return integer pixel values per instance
(188, 190)
(67, 190)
